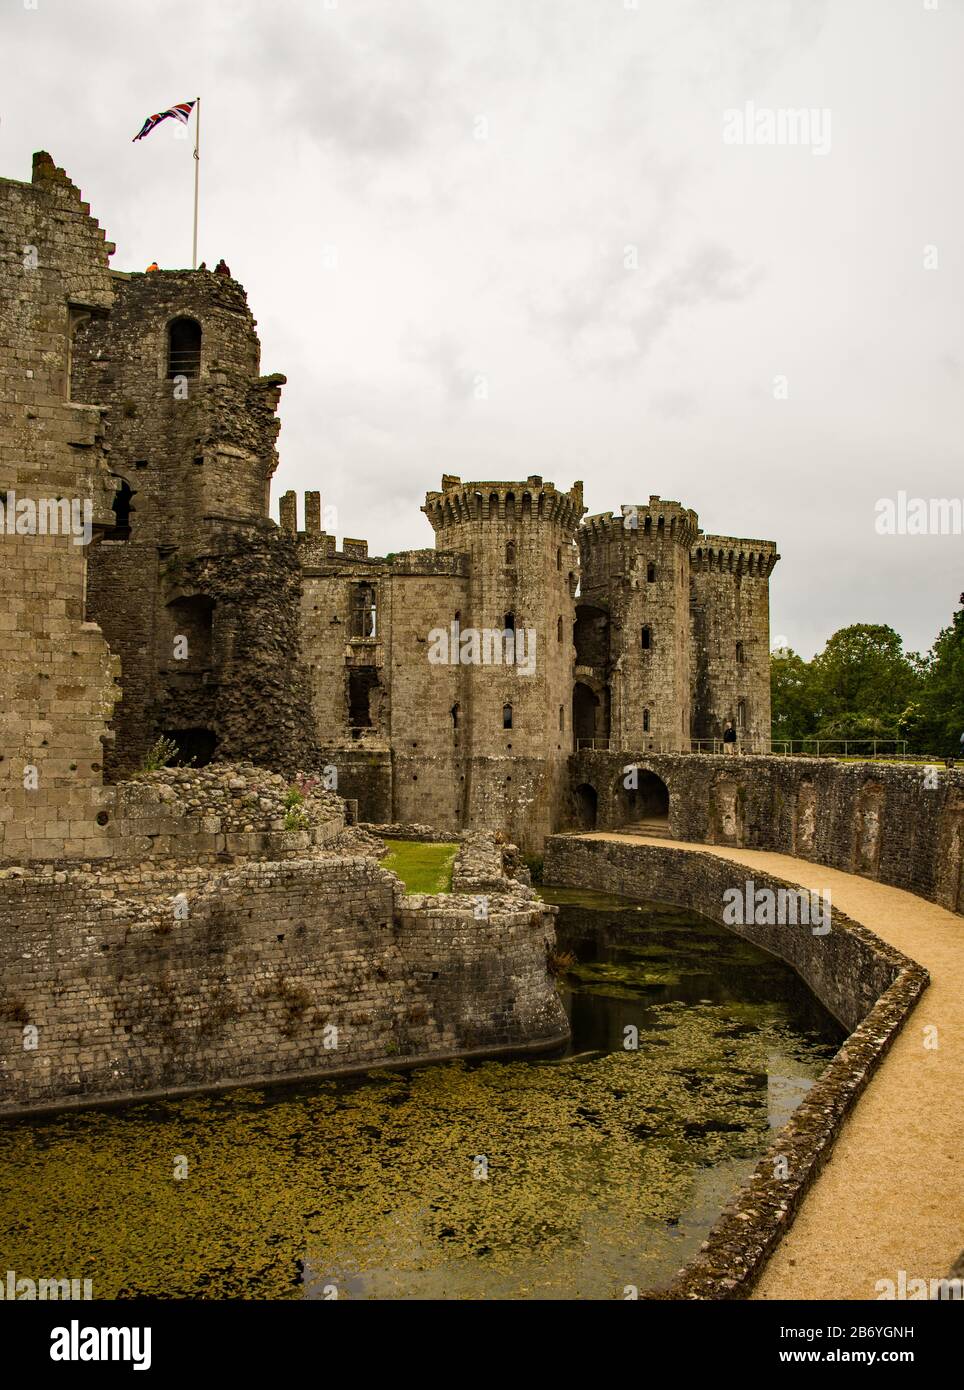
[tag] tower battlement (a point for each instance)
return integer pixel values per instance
(459, 504)
(728, 553)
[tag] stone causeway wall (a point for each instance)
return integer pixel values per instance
(867, 984)
(900, 823)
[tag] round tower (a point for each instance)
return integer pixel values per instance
(514, 644)
(636, 570)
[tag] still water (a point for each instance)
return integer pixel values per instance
(570, 1176)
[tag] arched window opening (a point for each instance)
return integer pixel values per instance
(510, 552)
(507, 716)
(183, 348)
(508, 622)
(645, 721)
(558, 629)
(646, 639)
(510, 506)
(559, 558)
(740, 653)
(741, 714)
(650, 573)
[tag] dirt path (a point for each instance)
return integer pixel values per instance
(892, 1195)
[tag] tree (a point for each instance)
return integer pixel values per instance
(862, 682)
(934, 719)
(790, 697)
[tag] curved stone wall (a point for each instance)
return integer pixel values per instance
(867, 984)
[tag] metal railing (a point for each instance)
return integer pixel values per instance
(186, 362)
(876, 749)
(841, 747)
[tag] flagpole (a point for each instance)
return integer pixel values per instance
(197, 173)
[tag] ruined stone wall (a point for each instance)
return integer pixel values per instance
(520, 539)
(396, 739)
(636, 566)
(730, 638)
(274, 970)
(192, 442)
(57, 674)
(207, 815)
(903, 825)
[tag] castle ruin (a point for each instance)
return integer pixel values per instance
(447, 686)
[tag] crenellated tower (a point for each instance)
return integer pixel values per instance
(523, 573)
(730, 637)
(633, 681)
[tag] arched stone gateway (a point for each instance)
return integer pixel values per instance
(586, 804)
(641, 799)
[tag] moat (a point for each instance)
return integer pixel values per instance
(567, 1176)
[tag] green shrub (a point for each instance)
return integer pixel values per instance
(160, 754)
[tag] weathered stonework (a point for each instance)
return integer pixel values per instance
(196, 975)
(901, 824)
(56, 671)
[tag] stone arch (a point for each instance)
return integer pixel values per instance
(645, 799)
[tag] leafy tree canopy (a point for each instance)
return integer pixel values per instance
(864, 685)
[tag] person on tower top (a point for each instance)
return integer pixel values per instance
(221, 268)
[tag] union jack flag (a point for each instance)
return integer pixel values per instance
(181, 112)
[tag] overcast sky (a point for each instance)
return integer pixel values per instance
(430, 206)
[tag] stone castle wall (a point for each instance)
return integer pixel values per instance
(241, 640)
(197, 976)
(903, 825)
(192, 441)
(57, 675)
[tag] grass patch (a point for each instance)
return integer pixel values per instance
(423, 868)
